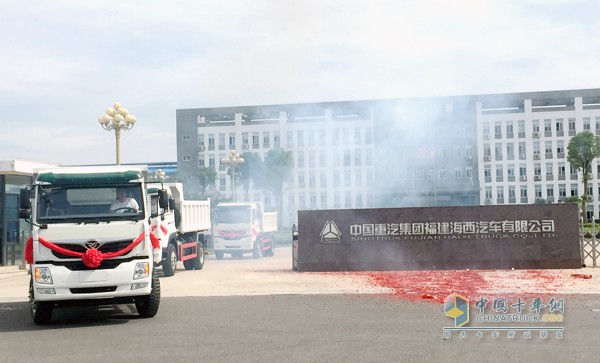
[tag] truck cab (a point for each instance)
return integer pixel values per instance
(83, 249)
(243, 228)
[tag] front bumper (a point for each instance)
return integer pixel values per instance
(92, 284)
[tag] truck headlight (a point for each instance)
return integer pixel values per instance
(142, 270)
(43, 275)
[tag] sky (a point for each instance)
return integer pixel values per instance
(63, 63)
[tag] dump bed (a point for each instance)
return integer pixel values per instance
(269, 221)
(194, 215)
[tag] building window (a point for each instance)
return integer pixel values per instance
(186, 158)
(221, 141)
(358, 178)
(574, 190)
(550, 194)
(357, 157)
(300, 136)
(300, 159)
(211, 142)
(457, 152)
(346, 157)
(469, 173)
(186, 137)
(231, 141)
(498, 130)
(346, 133)
(572, 124)
(311, 137)
(524, 192)
(488, 192)
(586, 123)
(509, 129)
(457, 173)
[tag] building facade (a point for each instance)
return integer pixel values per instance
(523, 140)
(14, 174)
(412, 152)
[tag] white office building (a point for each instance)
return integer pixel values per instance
(412, 152)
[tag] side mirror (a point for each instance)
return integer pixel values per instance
(25, 198)
(163, 198)
(25, 203)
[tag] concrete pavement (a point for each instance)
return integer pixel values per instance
(273, 276)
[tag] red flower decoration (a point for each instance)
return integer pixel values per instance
(92, 258)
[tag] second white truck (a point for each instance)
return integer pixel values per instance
(183, 228)
(243, 228)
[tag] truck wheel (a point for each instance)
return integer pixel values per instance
(188, 264)
(198, 262)
(169, 264)
(256, 250)
(219, 254)
(41, 311)
(271, 251)
(147, 306)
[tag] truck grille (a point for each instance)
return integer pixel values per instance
(106, 247)
(92, 290)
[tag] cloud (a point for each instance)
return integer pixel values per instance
(65, 62)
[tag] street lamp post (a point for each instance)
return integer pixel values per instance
(233, 160)
(117, 118)
(160, 175)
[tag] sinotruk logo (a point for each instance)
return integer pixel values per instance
(330, 233)
(457, 307)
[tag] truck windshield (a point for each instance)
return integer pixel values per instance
(233, 215)
(59, 204)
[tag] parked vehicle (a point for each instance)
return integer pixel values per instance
(82, 249)
(183, 228)
(243, 228)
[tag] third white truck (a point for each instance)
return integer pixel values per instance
(243, 228)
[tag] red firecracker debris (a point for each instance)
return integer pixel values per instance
(581, 276)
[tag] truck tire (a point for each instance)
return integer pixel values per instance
(41, 311)
(147, 306)
(271, 251)
(256, 252)
(169, 264)
(188, 264)
(198, 262)
(219, 254)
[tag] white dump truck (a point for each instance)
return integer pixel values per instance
(243, 228)
(84, 248)
(183, 228)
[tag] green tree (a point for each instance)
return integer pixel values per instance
(250, 171)
(206, 178)
(583, 149)
(277, 168)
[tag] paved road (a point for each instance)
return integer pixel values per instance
(269, 314)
